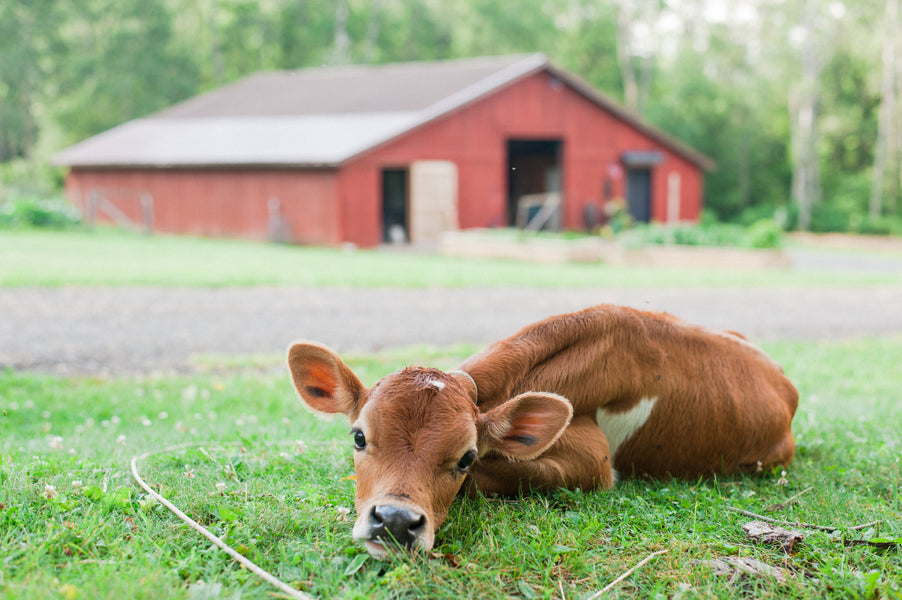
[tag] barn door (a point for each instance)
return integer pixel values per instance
(638, 194)
(534, 174)
(394, 205)
(433, 199)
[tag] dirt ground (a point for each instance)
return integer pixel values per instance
(141, 330)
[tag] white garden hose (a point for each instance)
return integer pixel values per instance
(244, 561)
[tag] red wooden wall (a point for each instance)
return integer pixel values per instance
(222, 202)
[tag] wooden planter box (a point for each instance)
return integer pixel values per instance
(485, 244)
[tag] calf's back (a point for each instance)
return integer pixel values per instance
(673, 398)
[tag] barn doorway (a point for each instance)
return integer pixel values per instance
(395, 206)
(638, 194)
(639, 165)
(534, 183)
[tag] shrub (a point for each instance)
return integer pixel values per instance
(868, 225)
(764, 233)
(755, 213)
(830, 217)
(30, 211)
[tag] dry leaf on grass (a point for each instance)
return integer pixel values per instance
(736, 566)
(448, 558)
(760, 531)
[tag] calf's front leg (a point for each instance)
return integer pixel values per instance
(578, 459)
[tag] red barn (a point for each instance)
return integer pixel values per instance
(366, 153)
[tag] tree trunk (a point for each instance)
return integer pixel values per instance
(804, 104)
(372, 31)
(625, 59)
(636, 62)
(743, 166)
(26, 99)
(342, 42)
(892, 207)
(215, 48)
(885, 150)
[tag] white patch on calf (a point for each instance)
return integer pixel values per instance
(435, 383)
(618, 427)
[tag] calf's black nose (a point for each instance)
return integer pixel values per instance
(396, 524)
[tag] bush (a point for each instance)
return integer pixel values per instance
(830, 218)
(868, 225)
(845, 203)
(31, 211)
(785, 217)
(764, 233)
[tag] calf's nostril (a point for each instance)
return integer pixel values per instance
(418, 524)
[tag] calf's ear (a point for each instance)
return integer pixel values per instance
(322, 380)
(525, 426)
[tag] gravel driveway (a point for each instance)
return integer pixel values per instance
(139, 330)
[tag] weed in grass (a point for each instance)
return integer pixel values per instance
(96, 535)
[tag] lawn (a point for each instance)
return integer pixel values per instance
(110, 257)
(75, 525)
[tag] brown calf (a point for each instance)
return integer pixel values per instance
(561, 403)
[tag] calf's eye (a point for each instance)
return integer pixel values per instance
(466, 461)
(359, 440)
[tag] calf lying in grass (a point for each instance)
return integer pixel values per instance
(562, 403)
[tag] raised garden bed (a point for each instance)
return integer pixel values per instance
(481, 243)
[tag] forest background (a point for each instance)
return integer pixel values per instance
(796, 100)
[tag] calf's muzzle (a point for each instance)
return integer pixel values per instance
(392, 524)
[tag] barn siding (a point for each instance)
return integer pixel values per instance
(475, 138)
(223, 202)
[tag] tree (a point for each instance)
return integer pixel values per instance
(304, 33)
(636, 50)
(586, 44)
(123, 62)
(887, 136)
(804, 104)
(29, 31)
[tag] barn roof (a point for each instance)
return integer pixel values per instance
(321, 116)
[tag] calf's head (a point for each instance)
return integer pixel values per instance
(417, 434)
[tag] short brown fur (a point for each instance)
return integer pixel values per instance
(721, 406)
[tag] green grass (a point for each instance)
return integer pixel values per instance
(282, 507)
(105, 257)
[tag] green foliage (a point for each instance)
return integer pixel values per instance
(711, 102)
(830, 217)
(846, 196)
(33, 211)
(30, 45)
(850, 106)
(144, 68)
(20, 177)
(75, 525)
(764, 233)
(868, 225)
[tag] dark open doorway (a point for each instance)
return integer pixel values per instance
(395, 205)
(638, 194)
(533, 167)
